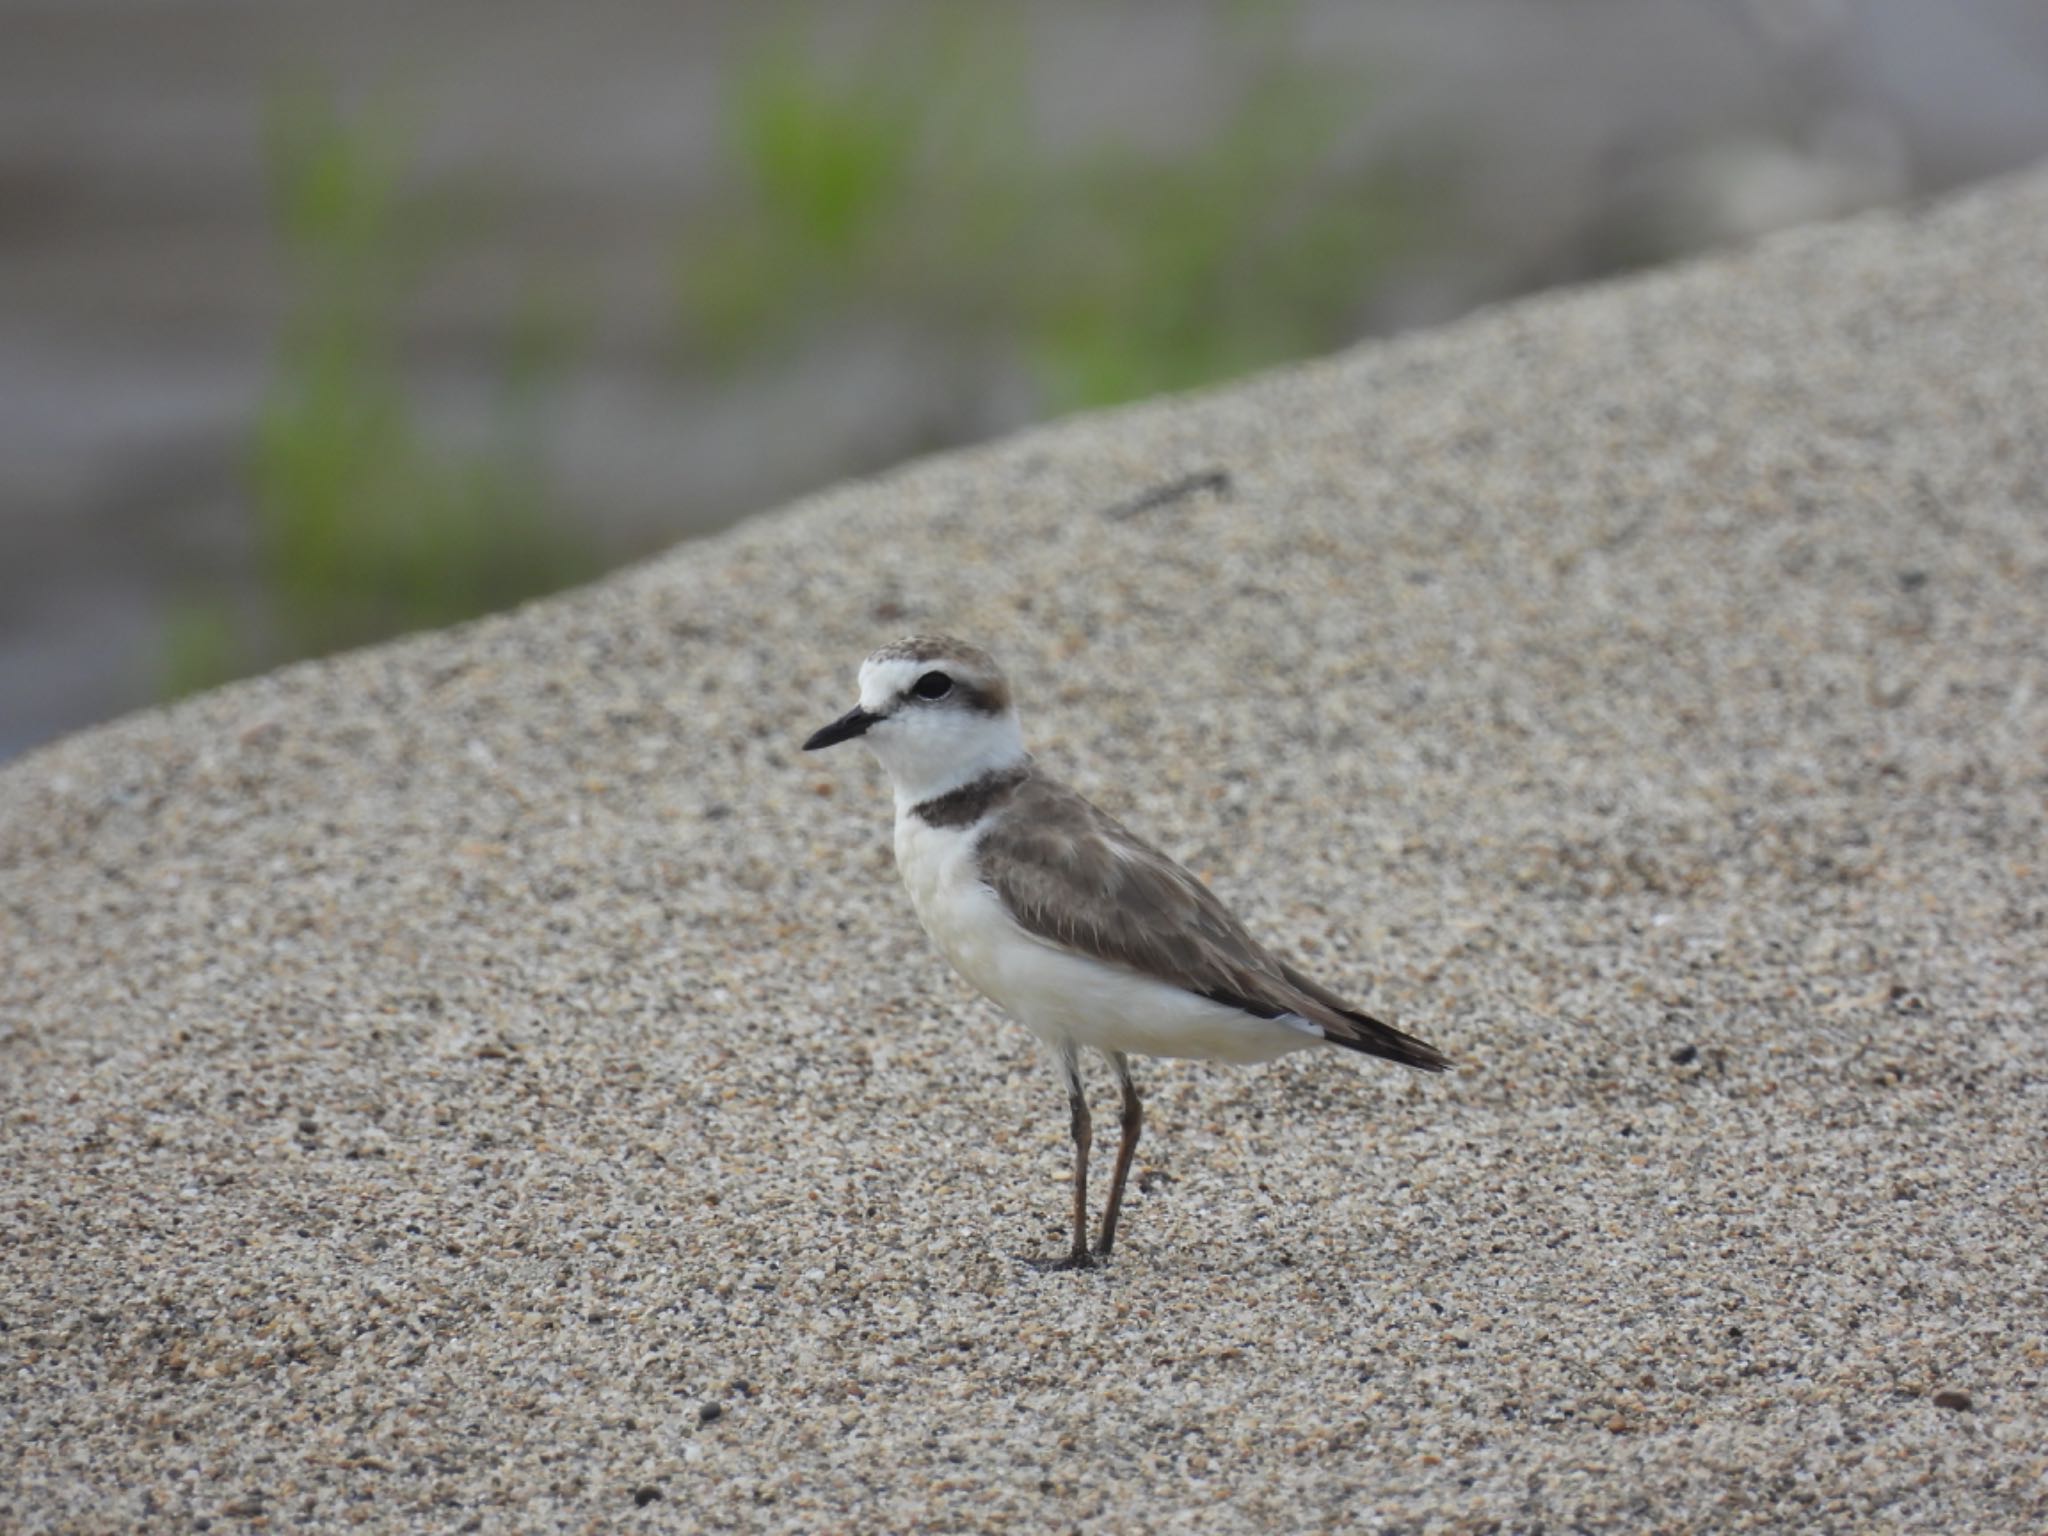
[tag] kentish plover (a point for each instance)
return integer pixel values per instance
(1072, 924)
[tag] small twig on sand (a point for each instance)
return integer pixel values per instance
(1216, 481)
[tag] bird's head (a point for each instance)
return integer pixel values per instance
(937, 714)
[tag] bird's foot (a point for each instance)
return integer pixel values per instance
(1082, 1259)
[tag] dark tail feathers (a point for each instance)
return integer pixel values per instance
(1346, 1026)
(1373, 1038)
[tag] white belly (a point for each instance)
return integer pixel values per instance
(1060, 996)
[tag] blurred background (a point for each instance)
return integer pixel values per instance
(319, 323)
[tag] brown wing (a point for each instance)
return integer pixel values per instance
(1072, 874)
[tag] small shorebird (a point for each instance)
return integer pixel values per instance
(1073, 925)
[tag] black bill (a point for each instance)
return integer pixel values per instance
(849, 725)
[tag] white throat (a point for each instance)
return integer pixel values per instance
(933, 752)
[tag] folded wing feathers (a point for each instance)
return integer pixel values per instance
(1072, 874)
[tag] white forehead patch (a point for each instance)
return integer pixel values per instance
(883, 682)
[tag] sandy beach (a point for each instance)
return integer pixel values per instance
(495, 1082)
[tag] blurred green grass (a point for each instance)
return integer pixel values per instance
(900, 181)
(366, 526)
(905, 180)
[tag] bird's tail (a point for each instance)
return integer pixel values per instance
(1346, 1026)
(1372, 1037)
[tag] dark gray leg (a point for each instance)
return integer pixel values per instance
(1127, 1148)
(1078, 1257)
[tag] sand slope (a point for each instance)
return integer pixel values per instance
(494, 1082)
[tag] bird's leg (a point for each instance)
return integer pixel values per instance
(1078, 1257)
(1127, 1148)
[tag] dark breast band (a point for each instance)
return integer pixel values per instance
(964, 806)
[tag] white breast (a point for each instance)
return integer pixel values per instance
(962, 915)
(1057, 994)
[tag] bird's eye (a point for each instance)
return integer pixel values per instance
(933, 685)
